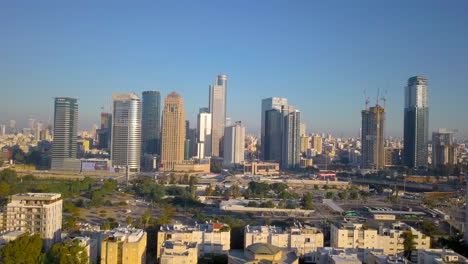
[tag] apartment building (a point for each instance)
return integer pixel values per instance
(439, 256)
(124, 246)
(210, 237)
(390, 239)
(178, 252)
(35, 213)
(300, 239)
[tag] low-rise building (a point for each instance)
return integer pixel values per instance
(384, 217)
(35, 213)
(178, 252)
(262, 253)
(8, 236)
(261, 168)
(336, 256)
(390, 239)
(374, 258)
(193, 165)
(342, 255)
(210, 238)
(300, 239)
(124, 246)
(440, 256)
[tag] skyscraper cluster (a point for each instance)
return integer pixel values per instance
(280, 132)
(136, 128)
(416, 129)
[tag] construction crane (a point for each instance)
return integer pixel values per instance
(384, 99)
(367, 99)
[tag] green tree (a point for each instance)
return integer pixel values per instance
(129, 220)
(146, 217)
(408, 243)
(353, 195)
(70, 252)
(343, 195)
(307, 201)
(209, 191)
(234, 190)
(193, 180)
(4, 189)
(25, 249)
(330, 195)
(9, 176)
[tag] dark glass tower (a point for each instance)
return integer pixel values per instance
(65, 131)
(151, 122)
(416, 123)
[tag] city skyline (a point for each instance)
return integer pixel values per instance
(288, 62)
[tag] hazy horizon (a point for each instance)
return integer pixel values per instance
(321, 56)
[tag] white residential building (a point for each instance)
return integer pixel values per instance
(36, 213)
(440, 256)
(210, 238)
(391, 240)
(178, 252)
(302, 240)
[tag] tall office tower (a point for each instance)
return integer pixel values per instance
(304, 143)
(173, 131)
(317, 144)
(12, 126)
(192, 137)
(234, 141)
(373, 151)
(2, 129)
(31, 123)
(126, 131)
(36, 213)
(151, 122)
(65, 133)
(204, 134)
(291, 156)
(444, 150)
(271, 103)
(190, 149)
(303, 129)
(37, 130)
(217, 105)
(104, 134)
(105, 118)
(272, 139)
(416, 123)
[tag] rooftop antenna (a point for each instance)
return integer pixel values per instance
(377, 99)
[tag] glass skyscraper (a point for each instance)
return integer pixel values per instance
(268, 104)
(126, 131)
(65, 132)
(151, 122)
(282, 136)
(416, 123)
(217, 105)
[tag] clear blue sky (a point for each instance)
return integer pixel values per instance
(318, 54)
